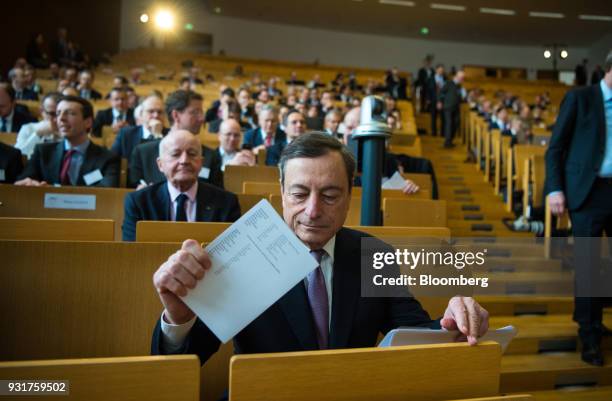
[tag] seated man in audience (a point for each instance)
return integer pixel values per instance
(11, 165)
(229, 110)
(75, 160)
(325, 311)
(152, 128)
(501, 122)
(85, 87)
(117, 116)
(181, 196)
(45, 130)
(332, 121)
(247, 110)
(12, 115)
(268, 132)
(22, 92)
(29, 76)
(295, 126)
(184, 111)
(214, 112)
(230, 138)
(351, 122)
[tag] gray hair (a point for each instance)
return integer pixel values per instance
(316, 144)
(268, 108)
(608, 64)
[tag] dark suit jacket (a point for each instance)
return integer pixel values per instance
(418, 165)
(28, 94)
(212, 113)
(21, 116)
(46, 163)
(153, 203)
(288, 325)
(576, 148)
(253, 137)
(105, 117)
(143, 165)
(10, 163)
(94, 95)
(450, 95)
(128, 138)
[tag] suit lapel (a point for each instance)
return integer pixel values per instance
(56, 162)
(601, 114)
(346, 288)
(89, 162)
(163, 197)
(294, 305)
(204, 212)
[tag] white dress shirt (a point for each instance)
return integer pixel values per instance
(191, 202)
(225, 157)
(174, 335)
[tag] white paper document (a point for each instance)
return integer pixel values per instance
(254, 263)
(416, 336)
(70, 201)
(396, 181)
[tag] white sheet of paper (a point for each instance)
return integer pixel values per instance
(396, 181)
(70, 201)
(93, 177)
(416, 336)
(254, 263)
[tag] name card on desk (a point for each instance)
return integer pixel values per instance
(70, 201)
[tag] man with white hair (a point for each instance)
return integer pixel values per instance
(181, 196)
(268, 132)
(22, 92)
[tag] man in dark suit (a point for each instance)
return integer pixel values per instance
(295, 126)
(75, 160)
(325, 311)
(151, 128)
(86, 91)
(229, 111)
(268, 132)
(433, 86)
(181, 197)
(117, 116)
(449, 102)
(11, 164)
(424, 73)
(184, 111)
(214, 112)
(12, 116)
(18, 81)
(579, 179)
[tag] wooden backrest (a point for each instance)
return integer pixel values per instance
(16, 201)
(247, 201)
(414, 212)
(538, 176)
(234, 176)
(438, 372)
(423, 193)
(513, 397)
(8, 138)
(172, 231)
(261, 188)
(26, 228)
(402, 232)
(522, 152)
(128, 378)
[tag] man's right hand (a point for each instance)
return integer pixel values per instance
(29, 182)
(179, 274)
(556, 202)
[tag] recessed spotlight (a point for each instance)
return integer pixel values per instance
(164, 20)
(563, 54)
(547, 54)
(144, 18)
(218, 10)
(447, 7)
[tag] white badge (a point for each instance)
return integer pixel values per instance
(93, 177)
(2, 174)
(204, 173)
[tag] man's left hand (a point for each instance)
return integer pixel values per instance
(467, 316)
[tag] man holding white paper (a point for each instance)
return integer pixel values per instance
(324, 311)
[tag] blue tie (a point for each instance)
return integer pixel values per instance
(606, 165)
(3, 125)
(181, 213)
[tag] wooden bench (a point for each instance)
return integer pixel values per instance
(515, 165)
(16, 201)
(8, 138)
(414, 213)
(25, 228)
(368, 374)
(127, 378)
(235, 176)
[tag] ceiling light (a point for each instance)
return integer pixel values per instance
(563, 54)
(404, 3)
(498, 11)
(595, 17)
(547, 54)
(164, 20)
(218, 10)
(539, 14)
(447, 7)
(144, 18)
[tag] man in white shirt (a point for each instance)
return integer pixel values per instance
(45, 130)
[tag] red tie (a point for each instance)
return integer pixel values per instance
(64, 176)
(268, 141)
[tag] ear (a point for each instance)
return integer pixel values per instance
(88, 124)
(160, 164)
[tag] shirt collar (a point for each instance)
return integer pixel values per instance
(606, 90)
(82, 148)
(329, 248)
(146, 134)
(191, 192)
(10, 116)
(117, 113)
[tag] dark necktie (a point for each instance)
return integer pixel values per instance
(319, 302)
(64, 172)
(181, 213)
(3, 125)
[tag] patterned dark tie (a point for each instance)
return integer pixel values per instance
(319, 302)
(181, 213)
(65, 171)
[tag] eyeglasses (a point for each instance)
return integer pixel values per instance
(50, 113)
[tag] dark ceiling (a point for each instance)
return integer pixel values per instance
(369, 16)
